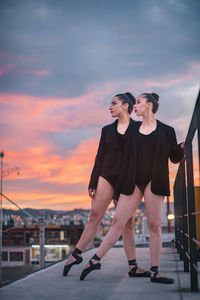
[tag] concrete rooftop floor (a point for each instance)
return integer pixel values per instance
(110, 283)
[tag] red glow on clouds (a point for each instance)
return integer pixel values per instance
(28, 120)
(37, 164)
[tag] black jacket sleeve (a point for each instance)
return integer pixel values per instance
(176, 152)
(98, 161)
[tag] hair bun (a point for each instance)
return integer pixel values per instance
(155, 96)
(131, 97)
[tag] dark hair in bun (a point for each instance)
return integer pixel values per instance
(156, 96)
(127, 98)
(153, 98)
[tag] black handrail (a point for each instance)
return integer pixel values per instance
(184, 204)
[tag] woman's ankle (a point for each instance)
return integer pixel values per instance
(154, 269)
(76, 251)
(96, 257)
(132, 262)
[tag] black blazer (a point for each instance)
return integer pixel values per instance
(166, 147)
(109, 154)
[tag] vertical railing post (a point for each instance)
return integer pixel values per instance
(176, 220)
(192, 221)
(184, 212)
(177, 214)
(179, 219)
(181, 216)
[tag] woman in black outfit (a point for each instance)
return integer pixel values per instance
(115, 138)
(152, 144)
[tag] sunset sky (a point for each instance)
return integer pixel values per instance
(61, 62)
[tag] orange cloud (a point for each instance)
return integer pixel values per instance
(36, 199)
(27, 121)
(39, 163)
(53, 114)
(77, 167)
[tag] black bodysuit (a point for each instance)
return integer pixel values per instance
(145, 158)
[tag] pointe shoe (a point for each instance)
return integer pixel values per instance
(167, 280)
(133, 273)
(91, 268)
(78, 260)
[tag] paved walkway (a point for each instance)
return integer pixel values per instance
(110, 283)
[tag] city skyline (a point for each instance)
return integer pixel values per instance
(60, 65)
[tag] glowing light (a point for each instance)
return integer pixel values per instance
(170, 217)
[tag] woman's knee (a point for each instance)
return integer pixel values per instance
(118, 222)
(154, 227)
(129, 225)
(95, 216)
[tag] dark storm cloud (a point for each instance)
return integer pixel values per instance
(29, 184)
(62, 48)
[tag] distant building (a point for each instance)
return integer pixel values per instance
(21, 244)
(15, 256)
(54, 234)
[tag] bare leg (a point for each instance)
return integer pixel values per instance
(128, 235)
(153, 205)
(100, 203)
(126, 207)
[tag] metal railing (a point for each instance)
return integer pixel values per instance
(184, 204)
